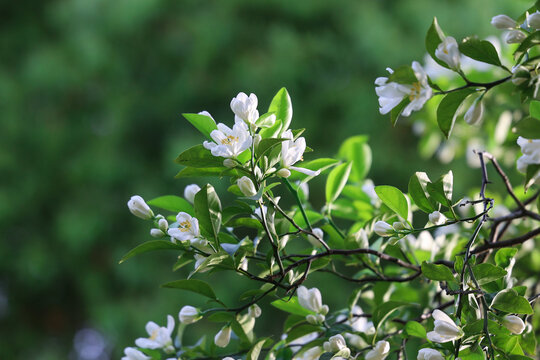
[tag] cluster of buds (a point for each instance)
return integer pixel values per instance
(311, 299)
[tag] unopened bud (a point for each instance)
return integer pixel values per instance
(254, 311)
(189, 314)
(157, 233)
(398, 226)
(514, 324)
(437, 218)
(503, 22)
(163, 225)
(223, 337)
(229, 163)
(284, 173)
(474, 115)
(534, 20)
(514, 37)
(246, 186)
(139, 208)
(383, 228)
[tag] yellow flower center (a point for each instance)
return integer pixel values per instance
(229, 140)
(415, 91)
(154, 334)
(184, 226)
(445, 50)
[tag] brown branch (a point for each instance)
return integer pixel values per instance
(506, 243)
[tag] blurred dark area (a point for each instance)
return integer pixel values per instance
(91, 96)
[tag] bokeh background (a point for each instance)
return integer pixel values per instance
(91, 93)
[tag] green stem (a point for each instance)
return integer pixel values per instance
(298, 201)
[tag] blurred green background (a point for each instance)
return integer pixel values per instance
(91, 93)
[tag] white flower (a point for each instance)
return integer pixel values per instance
(533, 20)
(245, 108)
(134, 354)
(254, 311)
(188, 228)
(336, 344)
(229, 143)
(292, 152)
(445, 329)
(190, 191)
(448, 52)
(503, 22)
(382, 228)
(160, 337)
(139, 208)
(379, 352)
(514, 37)
(360, 323)
(429, 354)
(531, 155)
(474, 115)
(246, 186)
(189, 314)
(369, 189)
(310, 354)
(514, 324)
(391, 94)
(223, 337)
(437, 218)
(316, 240)
(311, 299)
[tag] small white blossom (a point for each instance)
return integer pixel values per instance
(254, 311)
(134, 354)
(503, 22)
(514, 324)
(437, 218)
(380, 351)
(445, 329)
(189, 314)
(533, 20)
(311, 299)
(514, 37)
(139, 208)
(229, 143)
(223, 337)
(474, 115)
(391, 94)
(245, 108)
(163, 225)
(190, 191)
(316, 240)
(531, 155)
(336, 344)
(157, 233)
(382, 228)
(448, 52)
(429, 354)
(292, 152)
(188, 228)
(246, 186)
(160, 337)
(283, 173)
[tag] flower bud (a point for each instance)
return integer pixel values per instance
(139, 208)
(223, 337)
(399, 225)
(246, 186)
(254, 311)
(315, 319)
(534, 20)
(229, 163)
(163, 225)
(383, 228)
(379, 352)
(157, 233)
(337, 344)
(429, 354)
(514, 324)
(514, 37)
(190, 191)
(503, 22)
(474, 115)
(437, 218)
(284, 173)
(315, 241)
(189, 315)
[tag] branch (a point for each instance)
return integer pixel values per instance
(507, 243)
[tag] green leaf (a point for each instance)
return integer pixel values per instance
(504, 256)
(266, 145)
(357, 150)
(437, 272)
(417, 191)
(150, 246)
(486, 272)
(205, 172)
(530, 41)
(403, 75)
(434, 37)
(448, 107)
(534, 109)
(480, 50)
(321, 164)
(255, 351)
(414, 328)
(239, 331)
(532, 171)
(172, 203)
(196, 286)
(199, 157)
(203, 123)
(221, 316)
(281, 105)
(383, 311)
(272, 131)
(528, 127)
(336, 181)
(394, 199)
(509, 301)
(208, 211)
(292, 306)
(266, 120)
(441, 190)
(396, 111)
